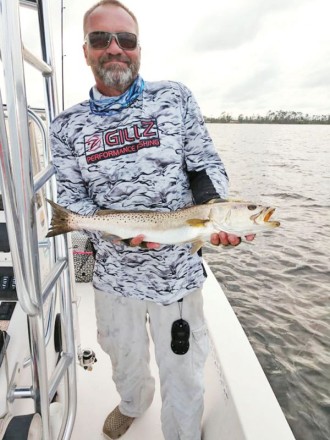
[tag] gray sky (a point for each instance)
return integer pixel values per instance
(242, 56)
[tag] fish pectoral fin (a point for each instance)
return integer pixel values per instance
(196, 245)
(197, 222)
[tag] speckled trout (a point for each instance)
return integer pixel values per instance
(194, 224)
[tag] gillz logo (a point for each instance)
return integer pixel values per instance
(121, 141)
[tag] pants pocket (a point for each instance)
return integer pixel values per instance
(200, 346)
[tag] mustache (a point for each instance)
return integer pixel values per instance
(109, 57)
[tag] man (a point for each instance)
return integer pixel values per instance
(138, 145)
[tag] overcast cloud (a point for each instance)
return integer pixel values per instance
(243, 56)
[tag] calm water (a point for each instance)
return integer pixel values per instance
(279, 286)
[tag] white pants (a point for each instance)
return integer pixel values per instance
(122, 333)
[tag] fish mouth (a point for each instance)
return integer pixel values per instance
(264, 217)
(268, 214)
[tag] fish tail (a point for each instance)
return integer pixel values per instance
(60, 221)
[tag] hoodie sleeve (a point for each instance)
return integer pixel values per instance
(206, 171)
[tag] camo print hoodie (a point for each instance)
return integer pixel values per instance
(154, 155)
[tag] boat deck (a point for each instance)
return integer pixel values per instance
(239, 402)
(97, 395)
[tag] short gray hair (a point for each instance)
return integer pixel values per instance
(110, 3)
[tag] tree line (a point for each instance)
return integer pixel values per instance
(272, 117)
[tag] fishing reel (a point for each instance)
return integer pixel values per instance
(87, 359)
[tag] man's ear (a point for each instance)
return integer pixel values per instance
(85, 54)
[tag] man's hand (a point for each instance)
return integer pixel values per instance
(139, 241)
(228, 239)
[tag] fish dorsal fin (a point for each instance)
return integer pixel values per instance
(197, 222)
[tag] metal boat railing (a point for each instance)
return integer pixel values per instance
(19, 187)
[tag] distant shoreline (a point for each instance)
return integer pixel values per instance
(272, 117)
(208, 121)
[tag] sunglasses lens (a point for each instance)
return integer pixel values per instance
(126, 40)
(101, 40)
(98, 40)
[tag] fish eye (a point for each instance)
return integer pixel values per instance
(252, 207)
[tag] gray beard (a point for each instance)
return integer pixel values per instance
(117, 77)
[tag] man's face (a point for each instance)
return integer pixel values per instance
(113, 67)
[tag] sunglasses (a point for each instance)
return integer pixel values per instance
(102, 40)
